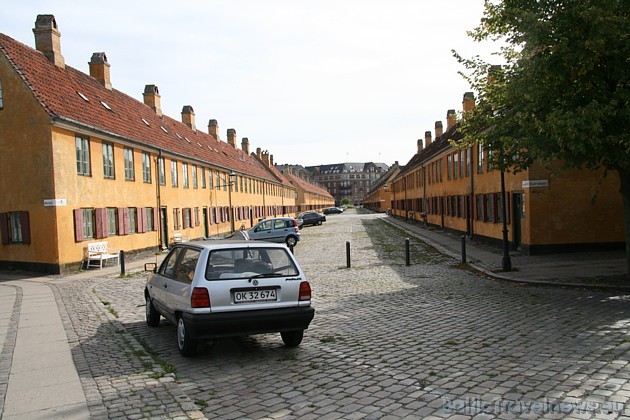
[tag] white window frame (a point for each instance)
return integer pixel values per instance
(146, 167)
(82, 147)
(108, 161)
(130, 174)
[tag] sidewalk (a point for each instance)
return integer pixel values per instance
(604, 269)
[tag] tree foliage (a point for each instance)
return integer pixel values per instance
(563, 90)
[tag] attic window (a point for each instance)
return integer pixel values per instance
(164, 129)
(146, 122)
(178, 136)
(85, 98)
(106, 106)
(199, 144)
(187, 139)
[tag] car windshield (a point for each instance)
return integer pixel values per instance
(243, 263)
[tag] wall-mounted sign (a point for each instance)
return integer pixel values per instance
(55, 202)
(536, 183)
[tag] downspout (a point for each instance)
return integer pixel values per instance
(159, 200)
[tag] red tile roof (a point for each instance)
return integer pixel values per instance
(59, 92)
(307, 186)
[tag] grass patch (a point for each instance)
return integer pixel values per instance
(201, 403)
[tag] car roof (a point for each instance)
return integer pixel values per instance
(231, 244)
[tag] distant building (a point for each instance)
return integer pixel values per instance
(379, 197)
(349, 180)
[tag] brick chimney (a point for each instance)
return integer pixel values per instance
(152, 99)
(468, 103)
(213, 129)
(427, 138)
(188, 117)
(258, 153)
(420, 145)
(451, 119)
(265, 157)
(245, 145)
(231, 137)
(270, 160)
(48, 39)
(99, 69)
(438, 129)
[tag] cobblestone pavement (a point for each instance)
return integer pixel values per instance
(388, 341)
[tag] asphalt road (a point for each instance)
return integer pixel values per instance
(387, 340)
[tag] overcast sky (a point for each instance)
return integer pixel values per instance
(323, 81)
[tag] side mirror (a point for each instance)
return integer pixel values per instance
(150, 267)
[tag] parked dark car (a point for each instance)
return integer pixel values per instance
(333, 210)
(311, 218)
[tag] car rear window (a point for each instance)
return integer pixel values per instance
(239, 263)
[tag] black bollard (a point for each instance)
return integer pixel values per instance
(407, 259)
(347, 254)
(291, 249)
(463, 249)
(122, 262)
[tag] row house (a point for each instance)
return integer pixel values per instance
(379, 197)
(548, 209)
(309, 197)
(82, 161)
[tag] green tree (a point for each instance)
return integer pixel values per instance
(345, 201)
(562, 91)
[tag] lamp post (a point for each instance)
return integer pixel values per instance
(232, 180)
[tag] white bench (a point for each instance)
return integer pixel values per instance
(178, 238)
(99, 253)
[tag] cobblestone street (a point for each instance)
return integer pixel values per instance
(431, 339)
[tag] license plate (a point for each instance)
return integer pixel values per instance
(248, 296)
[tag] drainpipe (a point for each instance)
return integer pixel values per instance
(471, 231)
(159, 199)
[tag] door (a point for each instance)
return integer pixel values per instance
(518, 212)
(163, 228)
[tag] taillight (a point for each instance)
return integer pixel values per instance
(305, 291)
(200, 298)
(295, 222)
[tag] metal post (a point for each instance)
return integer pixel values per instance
(464, 249)
(347, 254)
(407, 259)
(122, 262)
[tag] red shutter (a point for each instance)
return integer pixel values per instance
(26, 228)
(78, 225)
(120, 215)
(156, 218)
(4, 228)
(142, 217)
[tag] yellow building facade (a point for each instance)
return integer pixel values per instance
(82, 162)
(548, 209)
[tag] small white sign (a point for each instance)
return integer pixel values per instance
(55, 202)
(536, 183)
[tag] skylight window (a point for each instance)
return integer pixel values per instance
(178, 136)
(85, 98)
(164, 129)
(106, 106)
(146, 122)
(187, 139)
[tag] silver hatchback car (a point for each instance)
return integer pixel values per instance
(229, 288)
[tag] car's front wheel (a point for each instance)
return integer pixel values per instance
(153, 316)
(292, 338)
(186, 345)
(291, 241)
(319, 222)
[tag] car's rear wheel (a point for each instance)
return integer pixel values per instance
(319, 222)
(153, 316)
(292, 338)
(186, 345)
(291, 241)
